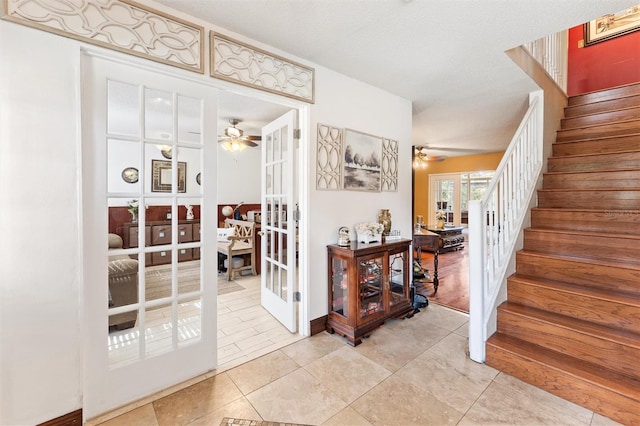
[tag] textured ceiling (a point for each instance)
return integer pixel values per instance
(446, 56)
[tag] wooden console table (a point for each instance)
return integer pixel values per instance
(430, 241)
(451, 238)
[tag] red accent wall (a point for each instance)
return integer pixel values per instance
(602, 65)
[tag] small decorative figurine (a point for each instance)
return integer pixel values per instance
(343, 236)
(189, 211)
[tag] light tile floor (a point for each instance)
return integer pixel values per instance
(409, 372)
(245, 329)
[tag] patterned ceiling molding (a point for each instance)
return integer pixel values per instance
(116, 24)
(389, 165)
(329, 158)
(241, 63)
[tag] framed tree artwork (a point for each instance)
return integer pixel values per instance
(362, 162)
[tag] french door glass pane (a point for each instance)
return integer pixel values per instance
(124, 166)
(159, 333)
(189, 120)
(189, 274)
(158, 115)
(123, 106)
(189, 320)
(123, 345)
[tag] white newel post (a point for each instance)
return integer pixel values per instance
(477, 256)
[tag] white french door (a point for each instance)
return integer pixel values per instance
(149, 140)
(279, 276)
(444, 196)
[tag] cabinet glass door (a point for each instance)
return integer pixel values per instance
(371, 287)
(340, 286)
(398, 278)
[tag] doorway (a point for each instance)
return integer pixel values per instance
(246, 329)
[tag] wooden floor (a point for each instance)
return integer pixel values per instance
(453, 273)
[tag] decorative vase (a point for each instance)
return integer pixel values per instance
(134, 216)
(440, 224)
(384, 218)
(189, 212)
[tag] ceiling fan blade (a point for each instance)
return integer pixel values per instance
(253, 138)
(248, 142)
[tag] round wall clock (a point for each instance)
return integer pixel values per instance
(198, 179)
(130, 175)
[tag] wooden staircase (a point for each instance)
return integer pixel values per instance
(571, 322)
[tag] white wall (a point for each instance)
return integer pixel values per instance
(40, 288)
(348, 103)
(239, 176)
(40, 259)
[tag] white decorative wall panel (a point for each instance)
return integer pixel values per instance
(117, 24)
(389, 165)
(329, 157)
(240, 63)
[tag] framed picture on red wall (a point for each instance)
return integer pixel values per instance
(612, 25)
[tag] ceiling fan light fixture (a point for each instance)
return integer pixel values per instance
(233, 146)
(420, 158)
(420, 163)
(233, 132)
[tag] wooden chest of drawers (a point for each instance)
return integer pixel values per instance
(158, 234)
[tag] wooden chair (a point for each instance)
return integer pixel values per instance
(239, 244)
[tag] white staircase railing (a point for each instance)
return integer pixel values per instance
(551, 53)
(495, 223)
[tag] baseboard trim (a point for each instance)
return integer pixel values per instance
(69, 419)
(318, 325)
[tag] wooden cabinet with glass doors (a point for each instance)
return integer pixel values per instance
(368, 284)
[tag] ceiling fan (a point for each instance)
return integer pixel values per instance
(421, 158)
(234, 139)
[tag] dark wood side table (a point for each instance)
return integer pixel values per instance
(451, 237)
(430, 241)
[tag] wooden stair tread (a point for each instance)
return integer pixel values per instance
(630, 188)
(595, 374)
(603, 111)
(594, 96)
(600, 118)
(598, 101)
(591, 155)
(554, 209)
(590, 126)
(584, 233)
(601, 262)
(603, 138)
(576, 172)
(602, 105)
(620, 297)
(616, 335)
